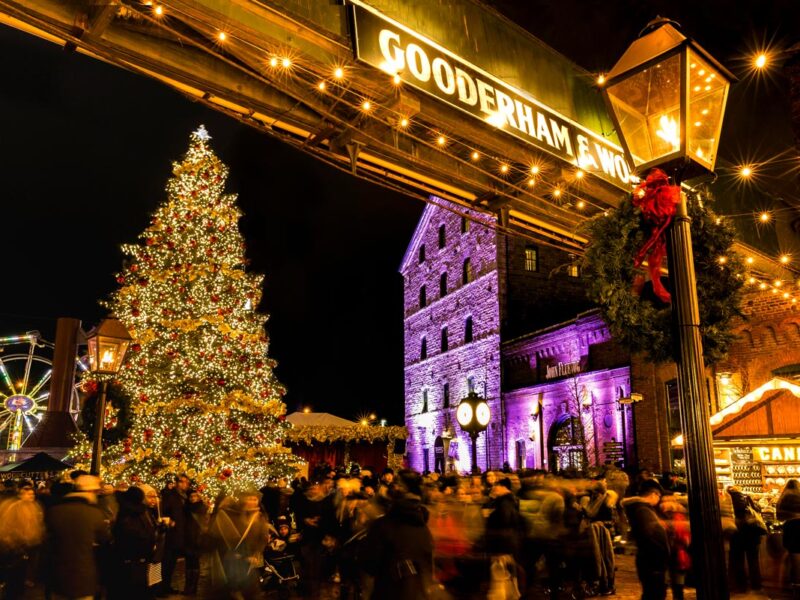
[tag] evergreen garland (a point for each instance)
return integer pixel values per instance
(642, 322)
(117, 399)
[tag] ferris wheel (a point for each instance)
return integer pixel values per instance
(25, 368)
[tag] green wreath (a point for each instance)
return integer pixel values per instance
(119, 401)
(642, 322)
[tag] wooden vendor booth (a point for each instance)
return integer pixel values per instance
(321, 438)
(757, 438)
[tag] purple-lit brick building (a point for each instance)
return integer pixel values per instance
(480, 309)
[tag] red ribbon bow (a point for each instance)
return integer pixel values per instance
(657, 200)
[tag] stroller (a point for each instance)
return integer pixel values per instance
(279, 573)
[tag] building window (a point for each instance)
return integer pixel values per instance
(464, 225)
(466, 274)
(423, 298)
(574, 271)
(468, 330)
(446, 395)
(470, 384)
(442, 236)
(423, 349)
(445, 343)
(443, 285)
(531, 258)
(424, 401)
(422, 254)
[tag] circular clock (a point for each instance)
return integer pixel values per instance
(483, 414)
(464, 413)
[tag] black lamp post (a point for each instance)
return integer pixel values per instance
(473, 415)
(108, 343)
(667, 98)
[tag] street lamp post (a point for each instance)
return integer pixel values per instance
(108, 343)
(667, 98)
(473, 415)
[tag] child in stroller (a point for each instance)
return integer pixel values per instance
(280, 569)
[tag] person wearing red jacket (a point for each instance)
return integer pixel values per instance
(679, 535)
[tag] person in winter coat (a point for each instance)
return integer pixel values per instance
(21, 533)
(653, 553)
(174, 500)
(196, 527)
(399, 546)
(677, 520)
(136, 546)
(745, 543)
(75, 530)
(505, 530)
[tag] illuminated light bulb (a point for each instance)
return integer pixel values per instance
(794, 300)
(396, 79)
(718, 220)
(601, 79)
(581, 204)
(693, 65)
(364, 422)
(774, 290)
(708, 87)
(159, 10)
(641, 193)
(668, 131)
(761, 61)
(504, 168)
(403, 122)
(273, 62)
(785, 294)
(778, 283)
(745, 172)
(286, 63)
(697, 123)
(579, 174)
(704, 111)
(722, 260)
(701, 72)
(222, 36)
(441, 140)
(762, 286)
(557, 192)
(366, 105)
(751, 280)
(708, 79)
(321, 86)
(764, 217)
(306, 410)
(697, 88)
(475, 155)
(750, 260)
(605, 213)
(785, 258)
(535, 169)
(531, 182)
(338, 73)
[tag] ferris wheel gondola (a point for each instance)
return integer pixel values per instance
(26, 367)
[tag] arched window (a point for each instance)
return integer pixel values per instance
(445, 343)
(443, 285)
(423, 298)
(423, 349)
(442, 236)
(466, 271)
(468, 330)
(424, 401)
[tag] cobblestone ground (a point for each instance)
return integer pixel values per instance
(627, 588)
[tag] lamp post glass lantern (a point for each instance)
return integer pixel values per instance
(473, 415)
(108, 343)
(666, 96)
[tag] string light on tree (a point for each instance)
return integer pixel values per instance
(205, 397)
(760, 60)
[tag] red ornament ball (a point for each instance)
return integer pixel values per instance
(227, 472)
(120, 280)
(220, 382)
(217, 439)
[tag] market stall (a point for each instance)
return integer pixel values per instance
(321, 438)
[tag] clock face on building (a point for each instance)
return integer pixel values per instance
(464, 413)
(483, 414)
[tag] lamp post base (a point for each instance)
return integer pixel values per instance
(97, 447)
(475, 469)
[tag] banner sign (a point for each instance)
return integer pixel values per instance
(395, 49)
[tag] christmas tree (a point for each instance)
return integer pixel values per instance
(205, 399)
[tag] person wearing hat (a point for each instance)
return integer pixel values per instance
(652, 543)
(75, 529)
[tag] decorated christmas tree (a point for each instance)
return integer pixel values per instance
(205, 399)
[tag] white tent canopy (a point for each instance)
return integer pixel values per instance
(318, 419)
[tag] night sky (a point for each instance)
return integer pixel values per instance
(86, 150)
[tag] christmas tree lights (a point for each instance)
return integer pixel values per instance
(206, 401)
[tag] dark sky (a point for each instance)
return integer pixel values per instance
(86, 149)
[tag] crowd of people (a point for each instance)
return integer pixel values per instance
(500, 535)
